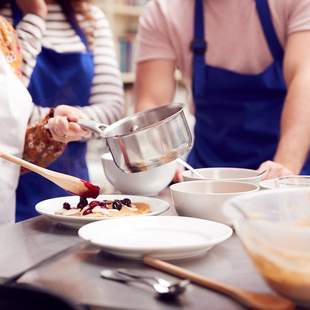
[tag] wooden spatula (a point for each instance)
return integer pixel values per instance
(69, 183)
(259, 301)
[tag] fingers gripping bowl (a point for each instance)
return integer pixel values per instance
(274, 227)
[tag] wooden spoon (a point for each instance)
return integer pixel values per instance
(69, 183)
(260, 301)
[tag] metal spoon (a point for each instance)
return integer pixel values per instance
(163, 288)
(179, 286)
(189, 167)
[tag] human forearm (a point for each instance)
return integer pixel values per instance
(108, 111)
(155, 84)
(294, 142)
(30, 32)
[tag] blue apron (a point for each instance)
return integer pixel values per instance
(58, 78)
(237, 115)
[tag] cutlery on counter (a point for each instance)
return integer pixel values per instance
(189, 167)
(162, 287)
(69, 183)
(260, 301)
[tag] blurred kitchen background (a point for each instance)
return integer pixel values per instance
(124, 16)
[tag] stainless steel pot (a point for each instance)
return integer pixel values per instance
(146, 140)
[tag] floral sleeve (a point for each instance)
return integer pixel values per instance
(9, 46)
(40, 148)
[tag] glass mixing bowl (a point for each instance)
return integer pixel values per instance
(294, 181)
(274, 227)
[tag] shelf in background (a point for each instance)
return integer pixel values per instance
(128, 77)
(127, 10)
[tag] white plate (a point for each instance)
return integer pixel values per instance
(269, 184)
(165, 237)
(50, 206)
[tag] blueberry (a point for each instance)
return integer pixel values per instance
(126, 202)
(83, 203)
(103, 205)
(117, 204)
(66, 206)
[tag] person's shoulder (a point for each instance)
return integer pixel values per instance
(289, 5)
(96, 12)
(294, 15)
(166, 6)
(167, 10)
(98, 15)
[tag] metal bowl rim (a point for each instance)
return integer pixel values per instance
(146, 128)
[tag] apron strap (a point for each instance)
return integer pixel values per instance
(199, 48)
(18, 15)
(75, 25)
(265, 17)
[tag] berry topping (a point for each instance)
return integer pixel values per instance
(92, 191)
(126, 202)
(83, 203)
(66, 206)
(103, 205)
(117, 204)
(94, 204)
(107, 201)
(87, 211)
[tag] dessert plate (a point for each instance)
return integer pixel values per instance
(49, 208)
(164, 237)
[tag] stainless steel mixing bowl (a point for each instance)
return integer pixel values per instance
(147, 139)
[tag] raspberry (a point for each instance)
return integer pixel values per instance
(94, 204)
(87, 211)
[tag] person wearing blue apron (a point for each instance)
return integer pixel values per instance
(58, 78)
(237, 115)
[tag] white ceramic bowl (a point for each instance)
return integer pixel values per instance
(225, 174)
(204, 199)
(146, 183)
(274, 226)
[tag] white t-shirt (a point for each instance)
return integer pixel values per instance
(232, 28)
(15, 111)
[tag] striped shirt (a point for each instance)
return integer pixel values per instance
(106, 100)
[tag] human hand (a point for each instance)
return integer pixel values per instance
(63, 126)
(274, 170)
(178, 175)
(36, 7)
